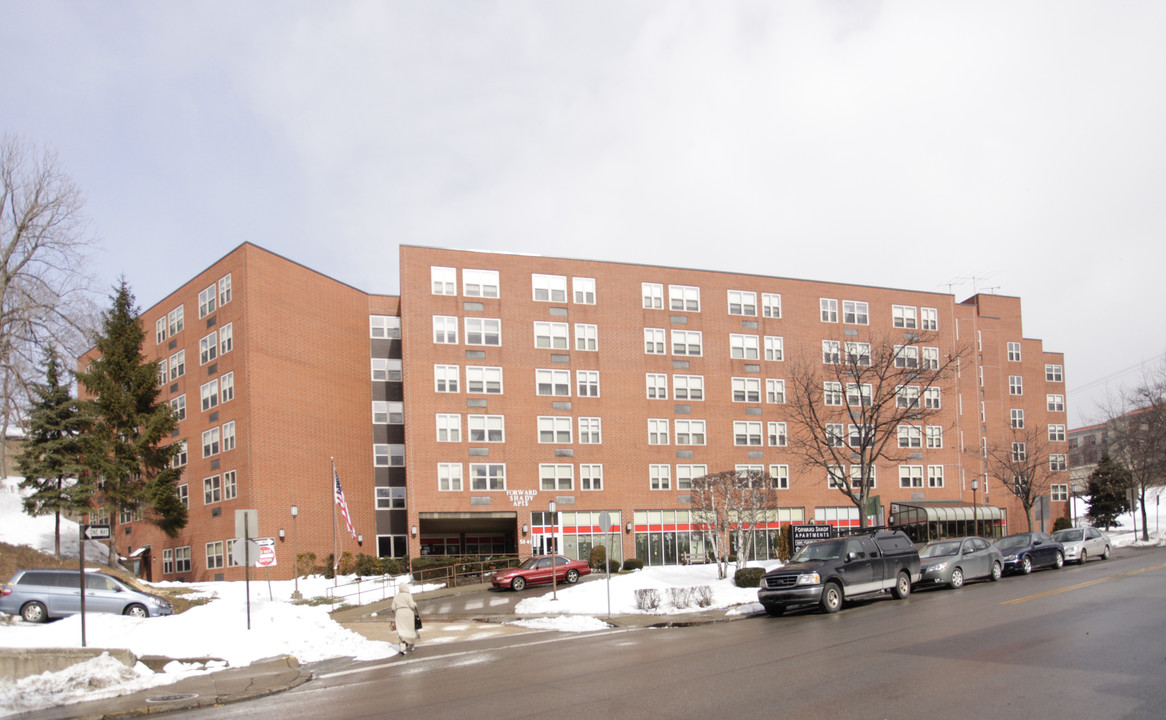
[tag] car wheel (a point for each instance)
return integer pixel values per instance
(957, 579)
(997, 571)
(572, 577)
(34, 612)
(774, 610)
(136, 610)
(1059, 561)
(1084, 556)
(1026, 566)
(831, 597)
(518, 584)
(1105, 555)
(902, 586)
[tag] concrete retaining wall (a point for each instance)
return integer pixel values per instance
(22, 662)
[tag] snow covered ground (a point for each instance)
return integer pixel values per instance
(218, 629)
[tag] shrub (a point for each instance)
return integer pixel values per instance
(393, 566)
(633, 564)
(1062, 523)
(748, 577)
(598, 557)
(680, 597)
(365, 565)
(704, 595)
(306, 564)
(613, 565)
(647, 598)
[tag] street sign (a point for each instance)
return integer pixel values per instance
(266, 552)
(95, 532)
(805, 534)
(240, 555)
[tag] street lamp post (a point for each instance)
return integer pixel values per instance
(295, 511)
(554, 554)
(975, 515)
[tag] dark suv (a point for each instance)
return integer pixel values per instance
(40, 595)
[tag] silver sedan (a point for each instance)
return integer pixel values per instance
(1083, 543)
(952, 561)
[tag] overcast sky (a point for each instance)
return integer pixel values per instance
(1017, 148)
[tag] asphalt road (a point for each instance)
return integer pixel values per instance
(1081, 642)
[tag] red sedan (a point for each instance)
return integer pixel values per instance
(538, 569)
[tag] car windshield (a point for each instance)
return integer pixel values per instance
(940, 549)
(829, 550)
(528, 564)
(1013, 541)
(1069, 535)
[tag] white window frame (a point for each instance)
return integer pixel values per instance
(688, 387)
(208, 348)
(228, 436)
(224, 289)
(209, 395)
(683, 340)
(482, 428)
(210, 442)
(743, 303)
(548, 288)
(776, 434)
(831, 352)
(488, 477)
(480, 283)
(1058, 462)
(1054, 373)
(1056, 432)
(684, 298)
(691, 432)
(746, 390)
(832, 393)
(587, 383)
(858, 353)
(586, 337)
(226, 338)
(935, 476)
(486, 329)
(554, 429)
(1014, 352)
(905, 316)
(450, 477)
(779, 477)
(934, 435)
(744, 347)
(747, 433)
(230, 485)
(828, 308)
(556, 477)
(660, 477)
(774, 348)
(443, 280)
(590, 477)
(930, 358)
(227, 387)
(655, 341)
(1016, 418)
(653, 295)
(445, 329)
(446, 378)
(554, 380)
(449, 427)
(855, 312)
(590, 431)
(484, 374)
(775, 391)
(551, 335)
(771, 305)
(932, 398)
(178, 406)
(910, 476)
(207, 301)
(685, 474)
(928, 319)
(1015, 385)
(583, 290)
(657, 385)
(658, 431)
(1055, 402)
(910, 436)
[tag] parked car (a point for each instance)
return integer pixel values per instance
(952, 561)
(41, 595)
(1082, 543)
(1024, 551)
(538, 569)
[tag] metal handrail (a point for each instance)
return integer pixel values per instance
(360, 587)
(468, 573)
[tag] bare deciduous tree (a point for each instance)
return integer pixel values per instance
(729, 505)
(1023, 466)
(850, 406)
(46, 299)
(1137, 435)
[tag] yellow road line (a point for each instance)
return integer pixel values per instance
(1078, 586)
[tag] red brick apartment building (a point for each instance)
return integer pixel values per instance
(498, 383)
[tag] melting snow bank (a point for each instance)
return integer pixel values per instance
(564, 623)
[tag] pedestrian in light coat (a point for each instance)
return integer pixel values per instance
(404, 611)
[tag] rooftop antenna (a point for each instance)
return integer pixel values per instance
(975, 279)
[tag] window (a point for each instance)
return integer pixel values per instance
(483, 380)
(449, 477)
(929, 318)
(746, 432)
(690, 432)
(230, 485)
(910, 437)
(182, 559)
(480, 283)
(836, 477)
(831, 352)
(1056, 403)
(746, 390)
(486, 428)
(161, 372)
(856, 477)
(388, 370)
(861, 436)
(1059, 492)
(774, 348)
(653, 296)
(685, 474)
(770, 305)
(443, 279)
(657, 386)
(653, 341)
(934, 476)
(487, 476)
(859, 395)
(178, 405)
(1056, 433)
(587, 382)
(660, 477)
(931, 398)
(1013, 352)
(589, 431)
(684, 298)
(657, 432)
(179, 458)
(907, 396)
(226, 338)
(206, 301)
(1058, 461)
(688, 387)
(829, 309)
(549, 288)
(743, 347)
(1017, 416)
(225, 289)
(777, 434)
(445, 329)
(910, 476)
(390, 498)
(855, 312)
(903, 316)
(584, 289)
(212, 490)
(586, 337)
(210, 395)
(858, 353)
(1054, 373)
(208, 348)
(835, 435)
(832, 393)
(590, 476)
(686, 342)
(385, 326)
(227, 387)
(177, 365)
(548, 335)
(775, 391)
(934, 437)
(742, 302)
(167, 561)
(1019, 452)
(906, 356)
(214, 555)
(160, 330)
(449, 427)
(229, 436)
(930, 358)
(445, 378)
(386, 455)
(779, 476)
(553, 382)
(483, 331)
(554, 430)
(176, 320)
(556, 477)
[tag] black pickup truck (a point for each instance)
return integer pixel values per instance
(828, 572)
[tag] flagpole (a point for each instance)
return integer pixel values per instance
(332, 500)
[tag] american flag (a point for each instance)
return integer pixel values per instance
(343, 505)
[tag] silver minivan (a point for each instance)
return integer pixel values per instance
(40, 595)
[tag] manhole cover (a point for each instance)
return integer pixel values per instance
(171, 698)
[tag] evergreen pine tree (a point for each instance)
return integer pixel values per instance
(51, 459)
(131, 429)
(1109, 485)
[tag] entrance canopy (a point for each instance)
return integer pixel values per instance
(468, 533)
(924, 521)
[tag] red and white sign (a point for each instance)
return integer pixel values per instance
(266, 552)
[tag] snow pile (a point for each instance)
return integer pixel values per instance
(16, 528)
(564, 623)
